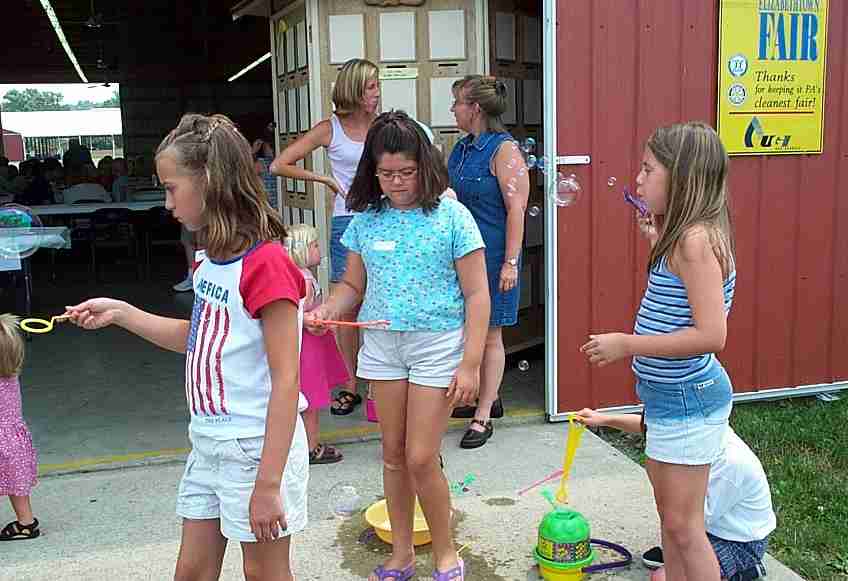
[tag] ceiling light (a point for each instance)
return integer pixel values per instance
(51, 15)
(250, 67)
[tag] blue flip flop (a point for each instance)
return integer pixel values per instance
(398, 575)
(457, 573)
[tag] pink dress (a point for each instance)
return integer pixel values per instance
(321, 364)
(18, 460)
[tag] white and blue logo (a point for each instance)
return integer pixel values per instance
(737, 65)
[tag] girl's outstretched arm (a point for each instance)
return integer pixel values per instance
(280, 329)
(697, 266)
(165, 332)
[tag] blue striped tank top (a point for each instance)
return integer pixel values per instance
(665, 309)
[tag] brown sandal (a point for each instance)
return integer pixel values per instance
(15, 531)
(323, 454)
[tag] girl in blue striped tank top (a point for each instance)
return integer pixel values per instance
(680, 326)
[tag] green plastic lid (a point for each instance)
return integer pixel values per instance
(564, 525)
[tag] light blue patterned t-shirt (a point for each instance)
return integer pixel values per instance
(409, 258)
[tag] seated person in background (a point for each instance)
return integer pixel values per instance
(76, 157)
(38, 190)
(87, 189)
(4, 173)
(120, 181)
(104, 173)
(738, 512)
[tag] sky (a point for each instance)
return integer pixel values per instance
(73, 93)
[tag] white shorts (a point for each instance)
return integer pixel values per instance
(428, 358)
(219, 478)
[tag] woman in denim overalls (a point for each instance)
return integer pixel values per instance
(490, 178)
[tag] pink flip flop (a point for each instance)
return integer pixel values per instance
(457, 573)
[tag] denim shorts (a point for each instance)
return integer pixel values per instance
(220, 475)
(686, 423)
(428, 358)
(735, 557)
(338, 251)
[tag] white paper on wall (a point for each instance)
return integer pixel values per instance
(347, 37)
(532, 89)
(289, 185)
(302, 58)
(441, 99)
(301, 185)
(505, 36)
(303, 106)
(291, 118)
(397, 36)
(447, 34)
(308, 217)
(532, 40)
(400, 94)
(281, 47)
(510, 116)
(283, 111)
(290, 46)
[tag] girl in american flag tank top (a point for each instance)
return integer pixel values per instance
(245, 479)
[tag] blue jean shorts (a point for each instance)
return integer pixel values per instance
(686, 423)
(338, 251)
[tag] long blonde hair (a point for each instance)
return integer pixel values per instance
(11, 346)
(297, 242)
(349, 89)
(235, 203)
(697, 190)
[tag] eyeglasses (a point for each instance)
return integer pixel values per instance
(404, 174)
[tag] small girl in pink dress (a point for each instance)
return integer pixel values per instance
(18, 460)
(321, 364)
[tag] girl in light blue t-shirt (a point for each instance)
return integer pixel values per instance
(415, 259)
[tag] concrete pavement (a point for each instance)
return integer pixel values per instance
(120, 524)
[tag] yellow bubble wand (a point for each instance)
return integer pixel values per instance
(33, 325)
(575, 432)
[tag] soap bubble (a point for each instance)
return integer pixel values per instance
(512, 163)
(611, 181)
(512, 186)
(529, 145)
(522, 172)
(531, 161)
(344, 500)
(534, 211)
(18, 239)
(542, 164)
(567, 191)
(523, 365)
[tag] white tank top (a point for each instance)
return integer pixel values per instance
(344, 154)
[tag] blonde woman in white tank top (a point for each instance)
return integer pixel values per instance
(356, 98)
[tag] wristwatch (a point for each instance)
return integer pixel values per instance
(512, 261)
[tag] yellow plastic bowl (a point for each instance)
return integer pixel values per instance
(551, 574)
(377, 515)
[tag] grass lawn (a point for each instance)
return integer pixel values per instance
(803, 445)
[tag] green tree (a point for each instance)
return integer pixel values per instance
(113, 101)
(32, 100)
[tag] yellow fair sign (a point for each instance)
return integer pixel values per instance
(771, 76)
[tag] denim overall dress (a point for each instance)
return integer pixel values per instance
(478, 189)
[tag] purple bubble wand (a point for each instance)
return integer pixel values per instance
(637, 203)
